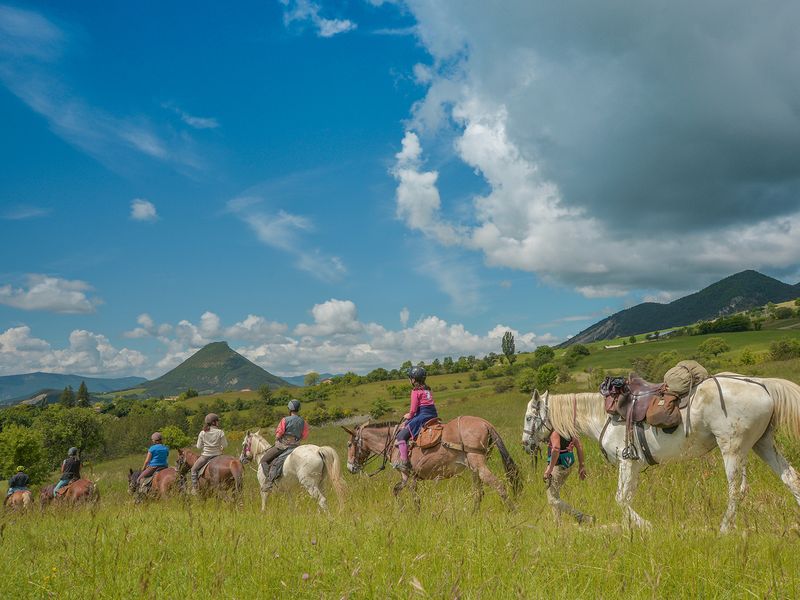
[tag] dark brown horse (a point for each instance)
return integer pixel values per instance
(163, 484)
(19, 500)
(222, 472)
(465, 443)
(78, 492)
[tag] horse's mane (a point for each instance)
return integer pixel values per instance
(571, 413)
(369, 425)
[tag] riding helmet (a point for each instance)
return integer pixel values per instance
(72, 451)
(20, 469)
(212, 418)
(417, 374)
(294, 405)
(156, 437)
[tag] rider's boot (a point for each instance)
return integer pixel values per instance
(403, 465)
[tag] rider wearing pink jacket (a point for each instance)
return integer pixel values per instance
(422, 410)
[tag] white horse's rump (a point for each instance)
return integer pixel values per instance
(306, 466)
(744, 418)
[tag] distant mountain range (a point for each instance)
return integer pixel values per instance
(733, 294)
(300, 380)
(14, 388)
(213, 368)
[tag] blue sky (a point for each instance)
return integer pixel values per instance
(334, 186)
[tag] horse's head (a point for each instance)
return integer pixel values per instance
(357, 452)
(536, 427)
(181, 466)
(133, 478)
(247, 451)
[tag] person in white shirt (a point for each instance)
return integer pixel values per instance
(211, 442)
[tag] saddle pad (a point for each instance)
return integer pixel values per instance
(430, 435)
(276, 466)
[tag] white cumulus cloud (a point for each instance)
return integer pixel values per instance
(53, 294)
(306, 11)
(143, 210)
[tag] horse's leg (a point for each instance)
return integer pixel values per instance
(477, 462)
(398, 487)
(734, 460)
(626, 488)
(766, 450)
(412, 487)
(477, 491)
(313, 490)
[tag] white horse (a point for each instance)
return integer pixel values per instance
(732, 412)
(307, 465)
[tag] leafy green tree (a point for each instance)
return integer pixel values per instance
(264, 394)
(23, 446)
(379, 408)
(526, 380)
(447, 364)
(61, 429)
(747, 357)
(67, 398)
(311, 378)
(713, 346)
(783, 312)
(546, 376)
(175, 438)
(542, 355)
(190, 393)
(82, 399)
(508, 346)
(784, 349)
(632, 339)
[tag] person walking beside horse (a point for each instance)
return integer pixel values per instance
(290, 432)
(561, 452)
(211, 442)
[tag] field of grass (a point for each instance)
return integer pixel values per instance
(372, 546)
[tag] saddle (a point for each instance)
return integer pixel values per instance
(430, 435)
(147, 482)
(63, 489)
(276, 466)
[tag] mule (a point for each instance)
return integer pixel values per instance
(307, 465)
(80, 491)
(163, 484)
(466, 442)
(222, 473)
(728, 411)
(22, 500)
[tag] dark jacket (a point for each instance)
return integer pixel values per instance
(20, 480)
(72, 469)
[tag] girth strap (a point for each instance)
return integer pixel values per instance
(643, 445)
(600, 441)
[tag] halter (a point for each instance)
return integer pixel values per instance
(359, 444)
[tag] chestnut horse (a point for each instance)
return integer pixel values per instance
(466, 442)
(163, 484)
(19, 500)
(78, 492)
(222, 472)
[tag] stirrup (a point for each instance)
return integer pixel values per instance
(630, 453)
(402, 466)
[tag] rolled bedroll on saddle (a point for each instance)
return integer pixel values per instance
(685, 376)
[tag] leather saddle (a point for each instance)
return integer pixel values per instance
(430, 435)
(635, 400)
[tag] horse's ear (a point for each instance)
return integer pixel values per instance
(535, 395)
(130, 471)
(350, 431)
(258, 431)
(180, 451)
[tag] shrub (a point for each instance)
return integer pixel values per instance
(784, 349)
(526, 380)
(546, 376)
(379, 408)
(503, 385)
(714, 346)
(783, 312)
(174, 437)
(24, 447)
(473, 376)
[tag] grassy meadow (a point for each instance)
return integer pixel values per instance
(373, 546)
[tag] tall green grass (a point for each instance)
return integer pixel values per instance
(373, 546)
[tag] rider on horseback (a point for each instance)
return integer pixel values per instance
(156, 458)
(70, 470)
(289, 433)
(422, 410)
(211, 441)
(18, 482)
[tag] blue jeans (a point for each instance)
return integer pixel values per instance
(61, 483)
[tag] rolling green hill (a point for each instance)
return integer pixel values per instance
(15, 388)
(213, 368)
(736, 293)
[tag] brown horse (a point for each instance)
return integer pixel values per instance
(19, 500)
(222, 472)
(79, 491)
(163, 484)
(465, 443)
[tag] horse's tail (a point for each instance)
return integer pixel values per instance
(331, 461)
(512, 472)
(786, 396)
(92, 492)
(27, 500)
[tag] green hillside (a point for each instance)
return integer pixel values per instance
(736, 293)
(213, 368)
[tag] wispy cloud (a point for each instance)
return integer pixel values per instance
(22, 212)
(30, 67)
(306, 11)
(412, 30)
(287, 232)
(52, 294)
(192, 120)
(143, 210)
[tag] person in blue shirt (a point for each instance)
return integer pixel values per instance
(156, 458)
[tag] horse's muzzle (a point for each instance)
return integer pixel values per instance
(353, 468)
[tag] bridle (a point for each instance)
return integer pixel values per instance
(539, 422)
(358, 441)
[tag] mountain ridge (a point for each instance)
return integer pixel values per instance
(740, 291)
(25, 385)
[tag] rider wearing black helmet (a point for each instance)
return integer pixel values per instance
(422, 410)
(289, 433)
(70, 470)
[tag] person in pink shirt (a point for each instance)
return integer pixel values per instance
(422, 410)
(290, 432)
